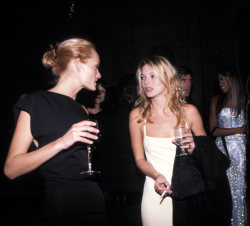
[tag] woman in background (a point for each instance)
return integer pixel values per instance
(59, 127)
(228, 122)
(100, 98)
(160, 107)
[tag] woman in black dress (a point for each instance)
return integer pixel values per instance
(59, 127)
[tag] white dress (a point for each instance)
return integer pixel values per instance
(160, 153)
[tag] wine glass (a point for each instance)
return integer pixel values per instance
(178, 132)
(89, 150)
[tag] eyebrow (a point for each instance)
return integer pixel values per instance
(149, 73)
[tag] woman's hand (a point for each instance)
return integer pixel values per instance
(162, 185)
(188, 141)
(79, 132)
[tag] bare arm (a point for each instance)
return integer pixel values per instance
(213, 122)
(195, 121)
(19, 162)
(195, 125)
(138, 150)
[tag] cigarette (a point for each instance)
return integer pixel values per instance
(162, 195)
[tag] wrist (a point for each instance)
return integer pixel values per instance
(157, 174)
(58, 146)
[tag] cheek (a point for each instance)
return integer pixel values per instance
(182, 85)
(142, 84)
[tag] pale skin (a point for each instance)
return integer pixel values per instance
(161, 127)
(226, 85)
(78, 75)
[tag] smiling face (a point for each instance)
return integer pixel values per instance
(185, 83)
(151, 85)
(89, 72)
(225, 83)
(101, 96)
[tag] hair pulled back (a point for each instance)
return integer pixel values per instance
(166, 73)
(59, 56)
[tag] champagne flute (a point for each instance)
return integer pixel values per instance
(178, 132)
(89, 150)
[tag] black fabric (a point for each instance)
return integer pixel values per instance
(186, 180)
(68, 194)
(120, 178)
(227, 164)
(213, 205)
(117, 165)
(225, 146)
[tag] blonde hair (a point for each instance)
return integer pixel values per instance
(59, 56)
(166, 73)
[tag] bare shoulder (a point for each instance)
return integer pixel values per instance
(134, 114)
(194, 120)
(191, 110)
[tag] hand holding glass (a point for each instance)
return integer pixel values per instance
(89, 150)
(180, 138)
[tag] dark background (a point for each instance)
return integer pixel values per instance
(203, 35)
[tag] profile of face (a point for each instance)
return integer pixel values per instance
(225, 83)
(151, 85)
(89, 72)
(186, 82)
(101, 94)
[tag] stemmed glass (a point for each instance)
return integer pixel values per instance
(178, 132)
(89, 150)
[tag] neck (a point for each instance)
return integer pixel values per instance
(95, 110)
(229, 95)
(66, 86)
(159, 104)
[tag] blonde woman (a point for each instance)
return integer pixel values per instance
(59, 127)
(159, 108)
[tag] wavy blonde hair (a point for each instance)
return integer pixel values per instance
(166, 73)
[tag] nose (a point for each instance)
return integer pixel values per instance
(146, 81)
(98, 75)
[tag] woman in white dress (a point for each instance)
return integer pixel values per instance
(159, 108)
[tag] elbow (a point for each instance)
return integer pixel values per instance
(9, 173)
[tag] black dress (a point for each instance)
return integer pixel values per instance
(70, 198)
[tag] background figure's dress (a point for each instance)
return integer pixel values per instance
(236, 146)
(70, 198)
(160, 153)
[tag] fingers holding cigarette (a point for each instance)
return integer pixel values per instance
(164, 193)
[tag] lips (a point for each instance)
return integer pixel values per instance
(148, 89)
